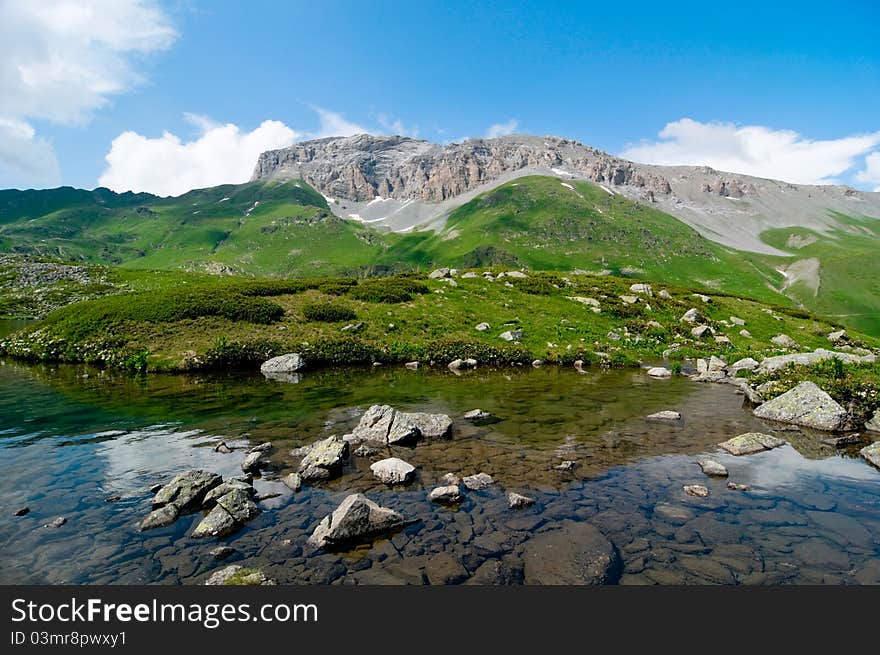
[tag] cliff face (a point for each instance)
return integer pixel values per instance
(362, 167)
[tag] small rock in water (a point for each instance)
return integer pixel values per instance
(567, 465)
(165, 515)
(750, 443)
(872, 453)
(292, 481)
(366, 451)
(22, 511)
(252, 462)
(450, 478)
(412, 366)
(712, 468)
(112, 499)
(537, 363)
(840, 442)
(446, 495)
(476, 415)
(324, 459)
(265, 448)
(666, 416)
(478, 481)
(222, 448)
(393, 470)
(223, 552)
(733, 486)
(155, 488)
(56, 523)
(697, 490)
(356, 517)
(659, 372)
(518, 501)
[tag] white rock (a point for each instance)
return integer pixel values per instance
(393, 470)
(478, 481)
(659, 372)
(518, 501)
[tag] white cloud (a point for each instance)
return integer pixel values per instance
(502, 129)
(334, 124)
(397, 127)
(25, 159)
(754, 150)
(62, 60)
(871, 174)
(167, 166)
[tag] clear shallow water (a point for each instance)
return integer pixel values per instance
(68, 442)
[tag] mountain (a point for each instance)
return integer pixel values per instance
(400, 183)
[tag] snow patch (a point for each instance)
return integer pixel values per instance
(607, 190)
(223, 200)
(784, 274)
(567, 186)
(559, 171)
(377, 199)
(252, 208)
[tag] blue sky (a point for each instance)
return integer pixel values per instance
(781, 89)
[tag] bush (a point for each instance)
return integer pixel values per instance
(341, 350)
(239, 354)
(388, 290)
(338, 287)
(539, 286)
(445, 350)
(327, 312)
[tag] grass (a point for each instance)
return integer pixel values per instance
(204, 322)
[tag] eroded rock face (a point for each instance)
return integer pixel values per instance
(576, 554)
(355, 518)
(363, 166)
(805, 405)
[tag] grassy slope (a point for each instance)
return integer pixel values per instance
(436, 325)
(850, 269)
(541, 223)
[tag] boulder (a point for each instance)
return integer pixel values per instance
(383, 424)
(289, 363)
(806, 405)
(701, 331)
(838, 336)
(186, 490)
(165, 515)
(734, 486)
(469, 275)
(324, 459)
(665, 294)
(446, 495)
(515, 274)
(589, 302)
(476, 415)
(744, 364)
(223, 552)
(785, 341)
(737, 321)
(482, 327)
(576, 554)
(478, 481)
(450, 478)
(512, 335)
(644, 289)
(430, 426)
(292, 481)
(393, 470)
(873, 424)
(566, 465)
(252, 462)
(659, 372)
(696, 490)
(355, 518)
(438, 273)
(771, 364)
(412, 366)
(751, 442)
(872, 453)
(224, 488)
(629, 300)
(237, 575)
(745, 334)
(712, 468)
(518, 501)
(716, 364)
(665, 416)
(692, 316)
(230, 513)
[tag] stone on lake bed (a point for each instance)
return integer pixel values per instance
(292, 481)
(237, 575)
(659, 372)
(165, 515)
(22, 511)
(872, 453)
(222, 552)
(393, 470)
(478, 481)
(355, 518)
(806, 405)
(476, 415)
(665, 416)
(712, 468)
(446, 495)
(518, 501)
(697, 490)
(750, 443)
(576, 554)
(450, 478)
(841, 442)
(733, 486)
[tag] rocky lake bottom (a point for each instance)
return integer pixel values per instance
(88, 445)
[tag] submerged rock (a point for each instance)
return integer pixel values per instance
(222, 448)
(733, 486)
(56, 523)
(712, 468)
(841, 442)
(446, 495)
(266, 447)
(393, 471)
(222, 552)
(478, 482)
(665, 416)
(237, 575)
(576, 554)
(872, 453)
(186, 490)
(697, 490)
(805, 405)
(751, 442)
(165, 515)
(518, 501)
(356, 517)
(324, 459)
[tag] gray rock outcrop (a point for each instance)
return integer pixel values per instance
(806, 405)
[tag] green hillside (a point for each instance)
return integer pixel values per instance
(546, 224)
(846, 282)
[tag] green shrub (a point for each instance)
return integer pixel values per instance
(337, 287)
(539, 286)
(240, 354)
(327, 312)
(341, 350)
(445, 350)
(388, 290)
